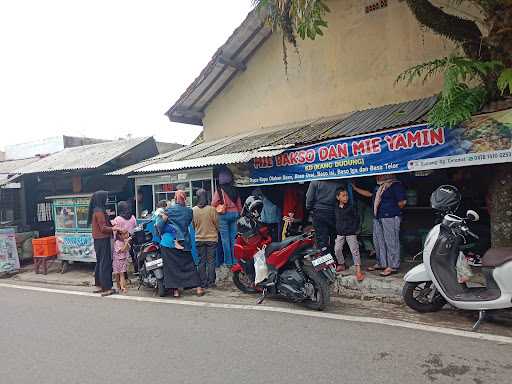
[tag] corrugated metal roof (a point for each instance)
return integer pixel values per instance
(378, 119)
(229, 59)
(264, 142)
(208, 161)
(84, 157)
(11, 166)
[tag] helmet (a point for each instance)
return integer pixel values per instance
(247, 227)
(253, 205)
(446, 198)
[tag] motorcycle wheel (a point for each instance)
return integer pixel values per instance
(322, 294)
(417, 296)
(162, 292)
(243, 282)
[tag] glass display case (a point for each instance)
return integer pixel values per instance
(153, 189)
(72, 231)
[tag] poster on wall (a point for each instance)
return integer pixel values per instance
(75, 247)
(485, 139)
(9, 261)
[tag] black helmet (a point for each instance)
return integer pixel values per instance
(253, 205)
(246, 227)
(446, 198)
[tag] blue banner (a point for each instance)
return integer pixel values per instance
(483, 140)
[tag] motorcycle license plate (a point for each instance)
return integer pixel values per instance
(323, 262)
(150, 265)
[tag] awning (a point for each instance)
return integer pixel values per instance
(207, 161)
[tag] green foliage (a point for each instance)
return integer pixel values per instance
(464, 91)
(505, 81)
(305, 18)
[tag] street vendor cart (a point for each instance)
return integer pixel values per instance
(72, 232)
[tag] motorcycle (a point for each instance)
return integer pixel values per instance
(296, 270)
(150, 263)
(429, 286)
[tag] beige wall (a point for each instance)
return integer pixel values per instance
(352, 67)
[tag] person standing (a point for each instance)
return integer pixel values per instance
(179, 269)
(207, 228)
(388, 200)
(102, 231)
(226, 201)
(321, 200)
(347, 227)
(126, 222)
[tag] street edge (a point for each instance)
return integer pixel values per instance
(355, 319)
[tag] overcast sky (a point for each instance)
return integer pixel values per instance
(104, 68)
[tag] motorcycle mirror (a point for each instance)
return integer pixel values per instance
(472, 215)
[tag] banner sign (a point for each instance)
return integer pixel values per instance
(9, 261)
(75, 247)
(485, 139)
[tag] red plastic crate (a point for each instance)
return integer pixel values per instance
(45, 246)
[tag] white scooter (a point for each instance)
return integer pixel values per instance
(429, 286)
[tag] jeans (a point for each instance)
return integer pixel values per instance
(227, 229)
(206, 252)
(324, 222)
(386, 239)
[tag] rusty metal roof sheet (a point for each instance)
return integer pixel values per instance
(8, 167)
(84, 157)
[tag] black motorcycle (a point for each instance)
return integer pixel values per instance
(148, 259)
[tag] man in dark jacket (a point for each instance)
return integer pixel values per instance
(321, 200)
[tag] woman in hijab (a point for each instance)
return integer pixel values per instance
(101, 233)
(207, 228)
(227, 202)
(179, 269)
(388, 200)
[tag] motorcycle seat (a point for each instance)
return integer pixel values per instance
(495, 257)
(273, 247)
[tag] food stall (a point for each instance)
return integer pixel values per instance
(73, 234)
(154, 188)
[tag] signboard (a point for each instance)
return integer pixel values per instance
(9, 261)
(485, 139)
(75, 247)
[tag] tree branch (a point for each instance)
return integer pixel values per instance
(455, 28)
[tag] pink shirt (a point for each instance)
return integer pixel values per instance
(231, 206)
(126, 225)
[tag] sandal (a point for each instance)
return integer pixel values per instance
(99, 290)
(375, 267)
(388, 272)
(110, 292)
(176, 293)
(200, 292)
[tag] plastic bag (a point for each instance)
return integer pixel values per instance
(260, 266)
(464, 272)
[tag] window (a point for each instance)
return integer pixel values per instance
(65, 217)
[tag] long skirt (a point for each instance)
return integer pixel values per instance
(179, 269)
(103, 268)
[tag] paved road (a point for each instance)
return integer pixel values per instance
(52, 338)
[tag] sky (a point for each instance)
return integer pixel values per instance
(105, 68)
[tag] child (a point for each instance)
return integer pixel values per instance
(347, 226)
(120, 258)
(164, 227)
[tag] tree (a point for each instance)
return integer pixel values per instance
(480, 71)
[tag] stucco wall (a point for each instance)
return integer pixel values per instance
(354, 66)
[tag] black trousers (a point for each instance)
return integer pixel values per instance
(324, 222)
(206, 251)
(103, 268)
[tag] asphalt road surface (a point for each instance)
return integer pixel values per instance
(50, 338)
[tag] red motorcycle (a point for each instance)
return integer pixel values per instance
(296, 269)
